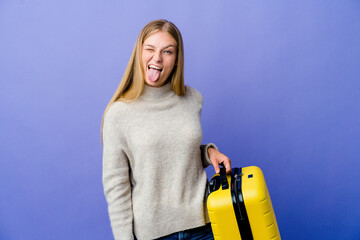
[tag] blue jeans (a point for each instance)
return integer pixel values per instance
(200, 233)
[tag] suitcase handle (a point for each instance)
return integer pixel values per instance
(223, 179)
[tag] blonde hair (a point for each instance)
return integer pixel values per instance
(132, 82)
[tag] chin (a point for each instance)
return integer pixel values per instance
(155, 84)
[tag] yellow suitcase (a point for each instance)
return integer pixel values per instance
(239, 206)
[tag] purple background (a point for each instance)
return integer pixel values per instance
(281, 86)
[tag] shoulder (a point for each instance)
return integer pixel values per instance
(194, 94)
(115, 110)
(116, 114)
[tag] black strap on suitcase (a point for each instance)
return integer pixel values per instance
(237, 200)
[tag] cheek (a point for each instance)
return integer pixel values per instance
(171, 63)
(145, 58)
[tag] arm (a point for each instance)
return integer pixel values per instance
(116, 182)
(210, 154)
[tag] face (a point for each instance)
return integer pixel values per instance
(158, 57)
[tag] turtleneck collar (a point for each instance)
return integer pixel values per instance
(157, 93)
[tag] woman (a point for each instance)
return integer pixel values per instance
(153, 164)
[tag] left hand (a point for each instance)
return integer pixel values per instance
(217, 158)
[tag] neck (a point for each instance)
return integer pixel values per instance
(156, 93)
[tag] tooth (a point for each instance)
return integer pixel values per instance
(154, 67)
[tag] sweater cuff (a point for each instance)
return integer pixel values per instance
(204, 154)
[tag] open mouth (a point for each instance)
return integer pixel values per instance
(155, 67)
(153, 73)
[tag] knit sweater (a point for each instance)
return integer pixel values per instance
(153, 165)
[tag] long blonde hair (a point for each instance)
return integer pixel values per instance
(132, 82)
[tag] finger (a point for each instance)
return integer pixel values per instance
(227, 164)
(217, 168)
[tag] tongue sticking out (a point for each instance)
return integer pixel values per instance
(153, 74)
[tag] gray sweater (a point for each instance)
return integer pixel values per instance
(153, 164)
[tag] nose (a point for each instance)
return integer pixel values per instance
(157, 56)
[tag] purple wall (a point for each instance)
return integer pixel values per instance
(281, 86)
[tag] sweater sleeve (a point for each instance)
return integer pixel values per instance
(116, 182)
(204, 154)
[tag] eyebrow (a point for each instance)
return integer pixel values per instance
(149, 45)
